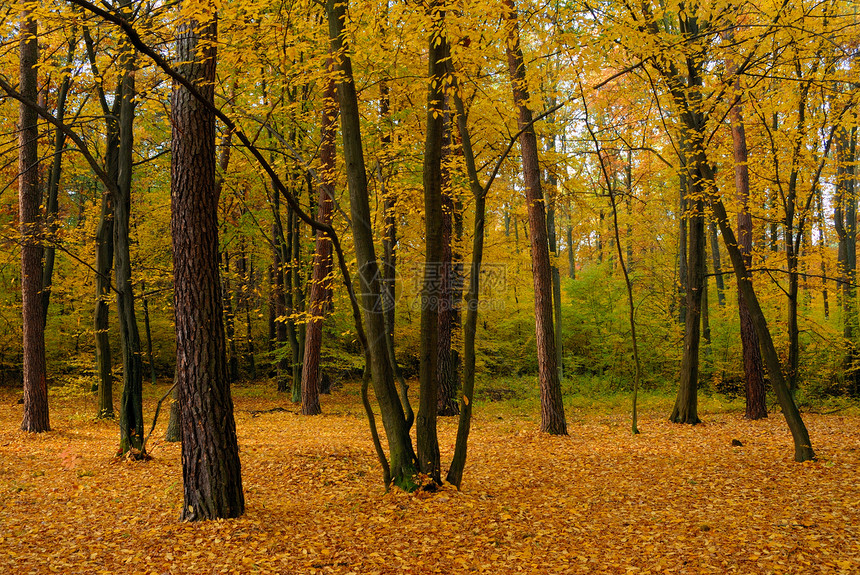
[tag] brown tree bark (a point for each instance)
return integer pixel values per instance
(322, 258)
(210, 455)
(35, 382)
(552, 406)
(756, 404)
(428, 401)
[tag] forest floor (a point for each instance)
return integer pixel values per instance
(675, 499)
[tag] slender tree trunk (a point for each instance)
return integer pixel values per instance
(311, 374)
(229, 319)
(35, 382)
(402, 455)
(210, 454)
(148, 330)
(104, 243)
(717, 264)
(549, 200)
(458, 461)
(104, 261)
(52, 204)
(131, 402)
(571, 253)
(447, 401)
(845, 216)
(552, 406)
(298, 306)
(174, 429)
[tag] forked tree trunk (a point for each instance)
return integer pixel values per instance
(552, 406)
(322, 258)
(212, 481)
(131, 402)
(402, 455)
(35, 382)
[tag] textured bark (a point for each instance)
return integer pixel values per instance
(686, 402)
(311, 375)
(402, 455)
(552, 406)
(447, 404)
(131, 402)
(35, 383)
(425, 424)
(212, 481)
(756, 398)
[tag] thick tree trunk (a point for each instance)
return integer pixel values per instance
(311, 375)
(35, 382)
(402, 455)
(425, 425)
(552, 406)
(210, 454)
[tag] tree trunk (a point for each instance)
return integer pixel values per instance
(131, 402)
(686, 403)
(402, 456)
(845, 216)
(425, 425)
(571, 254)
(552, 406)
(104, 243)
(148, 330)
(311, 375)
(718, 267)
(756, 398)
(52, 205)
(104, 261)
(210, 454)
(35, 382)
(229, 319)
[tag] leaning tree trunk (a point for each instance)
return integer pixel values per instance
(322, 258)
(402, 455)
(35, 382)
(212, 480)
(552, 406)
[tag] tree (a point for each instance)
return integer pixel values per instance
(318, 299)
(35, 382)
(211, 472)
(552, 406)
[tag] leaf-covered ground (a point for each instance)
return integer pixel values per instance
(676, 499)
